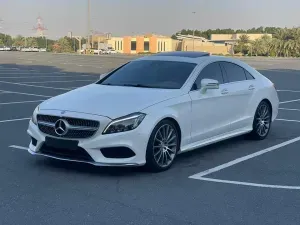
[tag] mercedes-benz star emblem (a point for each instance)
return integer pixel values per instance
(61, 127)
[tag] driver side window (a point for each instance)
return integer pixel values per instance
(211, 71)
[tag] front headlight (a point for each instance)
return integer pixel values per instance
(34, 115)
(126, 123)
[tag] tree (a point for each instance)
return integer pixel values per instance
(174, 37)
(31, 42)
(19, 41)
(63, 45)
(242, 44)
(6, 39)
(266, 42)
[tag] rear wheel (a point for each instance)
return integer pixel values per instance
(262, 121)
(163, 146)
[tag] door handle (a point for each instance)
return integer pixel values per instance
(251, 87)
(224, 92)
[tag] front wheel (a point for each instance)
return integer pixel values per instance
(262, 121)
(163, 146)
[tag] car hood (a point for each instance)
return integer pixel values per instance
(109, 101)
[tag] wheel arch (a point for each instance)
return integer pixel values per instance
(176, 125)
(269, 103)
(173, 120)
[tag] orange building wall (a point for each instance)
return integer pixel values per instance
(127, 45)
(153, 44)
(139, 44)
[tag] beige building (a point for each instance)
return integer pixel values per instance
(235, 37)
(211, 47)
(217, 44)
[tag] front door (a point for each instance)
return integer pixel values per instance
(210, 109)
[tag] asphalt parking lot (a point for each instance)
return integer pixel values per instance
(234, 182)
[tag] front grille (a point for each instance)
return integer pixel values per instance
(71, 121)
(78, 128)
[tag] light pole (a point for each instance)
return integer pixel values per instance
(89, 24)
(194, 35)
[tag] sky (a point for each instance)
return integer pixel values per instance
(129, 17)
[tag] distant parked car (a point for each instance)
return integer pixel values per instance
(7, 48)
(34, 49)
(24, 49)
(109, 51)
(112, 51)
(14, 49)
(97, 51)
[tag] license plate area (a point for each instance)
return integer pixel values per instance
(61, 143)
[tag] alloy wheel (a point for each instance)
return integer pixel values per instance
(263, 120)
(165, 145)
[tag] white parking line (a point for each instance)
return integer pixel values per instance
(27, 73)
(289, 109)
(22, 93)
(18, 147)
(13, 120)
(30, 85)
(288, 91)
(11, 103)
(36, 77)
(244, 158)
(57, 81)
(295, 100)
(297, 121)
(8, 69)
(249, 184)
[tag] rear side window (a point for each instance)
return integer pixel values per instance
(211, 71)
(234, 72)
(248, 75)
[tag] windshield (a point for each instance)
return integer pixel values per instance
(151, 74)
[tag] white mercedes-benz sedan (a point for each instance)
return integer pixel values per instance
(150, 109)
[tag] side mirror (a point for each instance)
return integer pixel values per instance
(209, 84)
(102, 76)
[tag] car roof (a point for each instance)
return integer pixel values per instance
(179, 56)
(183, 54)
(194, 57)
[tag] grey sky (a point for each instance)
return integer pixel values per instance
(127, 17)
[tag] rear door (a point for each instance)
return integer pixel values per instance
(241, 86)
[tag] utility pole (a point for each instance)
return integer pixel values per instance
(89, 24)
(46, 43)
(194, 35)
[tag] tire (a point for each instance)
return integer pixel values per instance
(163, 145)
(262, 122)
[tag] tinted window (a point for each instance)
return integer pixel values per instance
(151, 73)
(211, 71)
(248, 75)
(234, 72)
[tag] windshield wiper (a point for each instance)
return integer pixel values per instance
(137, 85)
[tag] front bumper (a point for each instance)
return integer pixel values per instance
(135, 140)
